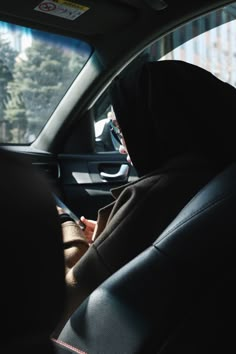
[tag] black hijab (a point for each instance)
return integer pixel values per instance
(170, 108)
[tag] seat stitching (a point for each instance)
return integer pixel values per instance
(68, 346)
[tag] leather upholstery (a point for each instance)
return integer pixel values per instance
(33, 285)
(178, 296)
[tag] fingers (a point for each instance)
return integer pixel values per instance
(89, 223)
(89, 228)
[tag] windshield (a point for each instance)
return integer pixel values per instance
(36, 70)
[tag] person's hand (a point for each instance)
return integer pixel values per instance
(89, 228)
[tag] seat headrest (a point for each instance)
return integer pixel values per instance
(205, 227)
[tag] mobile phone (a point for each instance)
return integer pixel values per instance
(62, 205)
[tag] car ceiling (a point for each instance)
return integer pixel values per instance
(108, 23)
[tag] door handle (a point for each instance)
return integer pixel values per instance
(122, 174)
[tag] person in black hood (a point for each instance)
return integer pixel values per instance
(170, 114)
(172, 108)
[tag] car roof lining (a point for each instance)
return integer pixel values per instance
(103, 18)
(110, 22)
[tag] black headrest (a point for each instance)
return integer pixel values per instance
(177, 296)
(33, 287)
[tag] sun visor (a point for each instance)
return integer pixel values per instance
(82, 17)
(141, 4)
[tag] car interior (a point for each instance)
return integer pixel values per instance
(58, 59)
(34, 285)
(155, 304)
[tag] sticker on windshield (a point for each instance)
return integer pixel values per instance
(62, 8)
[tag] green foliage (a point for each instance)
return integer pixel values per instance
(7, 53)
(16, 117)
(7, 59)
(40, 78)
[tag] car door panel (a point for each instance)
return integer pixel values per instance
(77, 179)
(86, 180)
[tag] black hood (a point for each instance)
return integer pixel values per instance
(169, 108)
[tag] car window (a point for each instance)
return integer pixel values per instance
(36, 70)
(212, 46)
(106, 138)
(208, 41)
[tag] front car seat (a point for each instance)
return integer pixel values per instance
(178, 296)
(33, 276)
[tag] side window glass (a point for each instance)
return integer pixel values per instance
(106, 137)
(36, 70)
(208, 41)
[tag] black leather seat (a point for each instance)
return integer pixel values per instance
(33, 285)
(178, 296)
